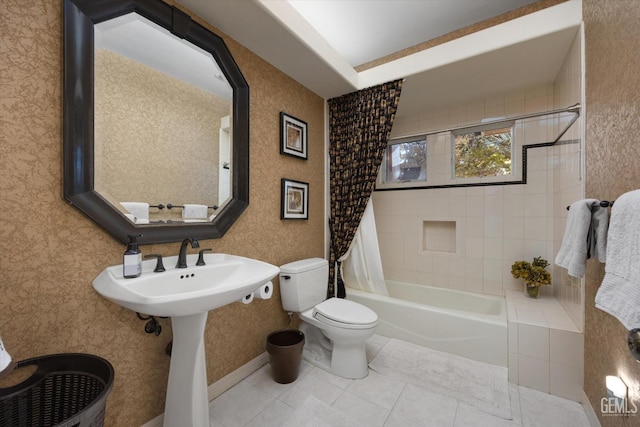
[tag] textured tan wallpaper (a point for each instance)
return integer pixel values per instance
(612, 43)
(153, 131)
(50, 252)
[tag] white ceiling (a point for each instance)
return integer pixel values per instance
(522, 65)
(365, 30)
(321, 49)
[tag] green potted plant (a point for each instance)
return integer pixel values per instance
(534, 275)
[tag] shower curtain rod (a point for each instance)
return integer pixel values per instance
(572, 109)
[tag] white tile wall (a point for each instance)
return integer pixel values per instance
(545, 347)
(564, 381)
(565, 173)
(495, 225)
(534, 342)
(533, 373)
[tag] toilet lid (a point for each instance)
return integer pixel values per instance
(345, 311)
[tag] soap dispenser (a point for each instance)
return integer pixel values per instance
(132, 263)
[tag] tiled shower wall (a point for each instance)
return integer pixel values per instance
(566, 169)
(494, 225)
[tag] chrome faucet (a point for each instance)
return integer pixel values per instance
(182, 257)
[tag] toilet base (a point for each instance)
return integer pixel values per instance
(347, 360)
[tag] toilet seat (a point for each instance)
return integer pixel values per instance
(345, 314)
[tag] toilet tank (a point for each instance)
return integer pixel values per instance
(303, 284)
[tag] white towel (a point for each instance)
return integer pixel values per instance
(6, 364)
(619, 294)
(138, 209)
(135, 220)
(574, 250)
(195, 211)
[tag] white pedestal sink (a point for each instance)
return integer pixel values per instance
(186, 295)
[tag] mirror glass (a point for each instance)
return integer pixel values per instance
(162, 124)
(156, 122)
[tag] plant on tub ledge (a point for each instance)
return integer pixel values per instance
(534, 275)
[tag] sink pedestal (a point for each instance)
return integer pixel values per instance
(187, 401)
(186, 295)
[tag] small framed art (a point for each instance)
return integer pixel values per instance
(295, 199)
(293, 136)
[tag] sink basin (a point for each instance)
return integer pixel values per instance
(186, 295)
(185, 291)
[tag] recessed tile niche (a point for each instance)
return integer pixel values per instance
(439, 236)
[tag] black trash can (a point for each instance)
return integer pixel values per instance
(285, 351)
(66, 390)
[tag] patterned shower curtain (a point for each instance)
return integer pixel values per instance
(359, 128)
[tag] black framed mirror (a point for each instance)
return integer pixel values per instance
(79, 139)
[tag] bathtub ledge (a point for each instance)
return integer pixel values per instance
(545, 311)
(546, 348)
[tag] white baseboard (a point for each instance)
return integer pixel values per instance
(224, 383)
(156, 422)
(233, 378)
(588, 409)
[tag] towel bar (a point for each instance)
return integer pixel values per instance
(602, 204)
(170, 206)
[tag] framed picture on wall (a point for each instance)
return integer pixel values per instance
(293, 136)
(295, 199)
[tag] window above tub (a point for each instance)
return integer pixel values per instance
(483, 151)
(493, 152)
(475, 155)
(406, 161)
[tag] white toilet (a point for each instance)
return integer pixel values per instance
(335, 329)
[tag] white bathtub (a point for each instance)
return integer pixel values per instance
(463, 323)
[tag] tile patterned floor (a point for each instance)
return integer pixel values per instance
(318, 398)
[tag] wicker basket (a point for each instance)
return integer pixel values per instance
(66, 390)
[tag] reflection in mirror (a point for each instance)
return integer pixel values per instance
(162, 137)
(162, 124)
